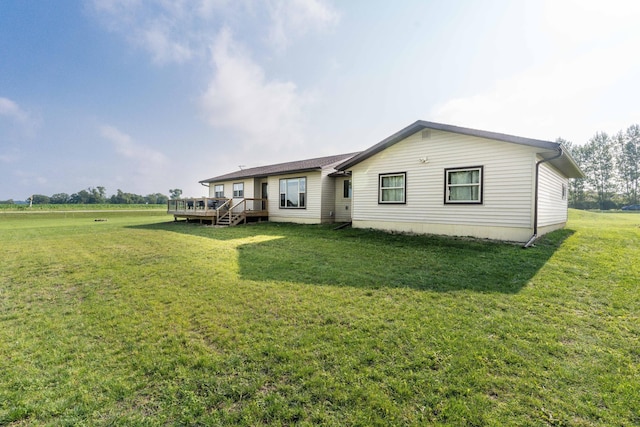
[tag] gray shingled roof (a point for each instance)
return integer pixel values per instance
(565, 163)
(283, 168)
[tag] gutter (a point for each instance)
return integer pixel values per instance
(534, 237)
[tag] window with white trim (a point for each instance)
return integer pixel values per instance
(293, 193)
(392, 187)
(463, 185)
(238, 189)
(218, 191)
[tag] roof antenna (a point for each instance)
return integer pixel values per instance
(242, 167)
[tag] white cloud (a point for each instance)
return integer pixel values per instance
(175, 31)
(165, 29)
(10, 109)
(557, 99)
(241, 99)
(293, 18)
(146, 159)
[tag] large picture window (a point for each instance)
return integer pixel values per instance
(392, 188)
(293, 193)
(238, 189)
(218, 191)
(463, 185)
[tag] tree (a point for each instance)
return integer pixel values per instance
(577, 194)
(156, 199)
(97, 195)
(81, 197)
(59, 198)
(628, 162)
(175, 193)
(40, 199)
(599, 168)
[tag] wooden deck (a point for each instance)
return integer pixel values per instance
(218, 211)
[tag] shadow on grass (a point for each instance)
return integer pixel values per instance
(318, 255)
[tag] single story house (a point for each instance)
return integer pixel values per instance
(303, 191)
(428, 178)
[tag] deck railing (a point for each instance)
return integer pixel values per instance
(201, 206)
(218, 208)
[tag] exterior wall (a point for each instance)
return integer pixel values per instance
(228, 188)
(342, 204)
(507, 209)
(552, 207)
(328, 207)
(312, 213)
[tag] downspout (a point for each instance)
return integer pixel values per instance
(534, 237)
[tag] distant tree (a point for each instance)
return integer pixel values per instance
(627, 150)
(7, 202)
(97, 195)
(81, 197)
(59, 198)
(577, 186)
(40, 199)
(175, 193)
(120, 198)
(156, 199)
(600, 168)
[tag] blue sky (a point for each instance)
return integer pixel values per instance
(145, 96)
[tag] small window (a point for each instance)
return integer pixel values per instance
(346, 191)
(238, 189)
(392, 188)
(218, 191)
(293, 193)
(564, 191)
(463, 185)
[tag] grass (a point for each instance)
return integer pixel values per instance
(138, 321)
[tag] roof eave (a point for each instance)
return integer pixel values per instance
(421, 124)
(567, 165)
(222, 178)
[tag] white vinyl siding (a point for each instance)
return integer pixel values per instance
(228, 188)
(507, 182)
(552, 208)
(313, 200)
(328, 196)
(342, 203)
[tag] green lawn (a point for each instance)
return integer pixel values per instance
(139, 321)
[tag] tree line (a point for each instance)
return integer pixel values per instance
(97, 195)
(611, 164)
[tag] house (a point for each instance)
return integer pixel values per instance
(306, 192)
(428, 178)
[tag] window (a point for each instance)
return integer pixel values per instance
(238, 189)
(346, 191)
(564, 191)
(463, 185)
(218, 191)
(392, 188)
(293, 193)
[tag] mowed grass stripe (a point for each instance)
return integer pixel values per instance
(136, 320)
